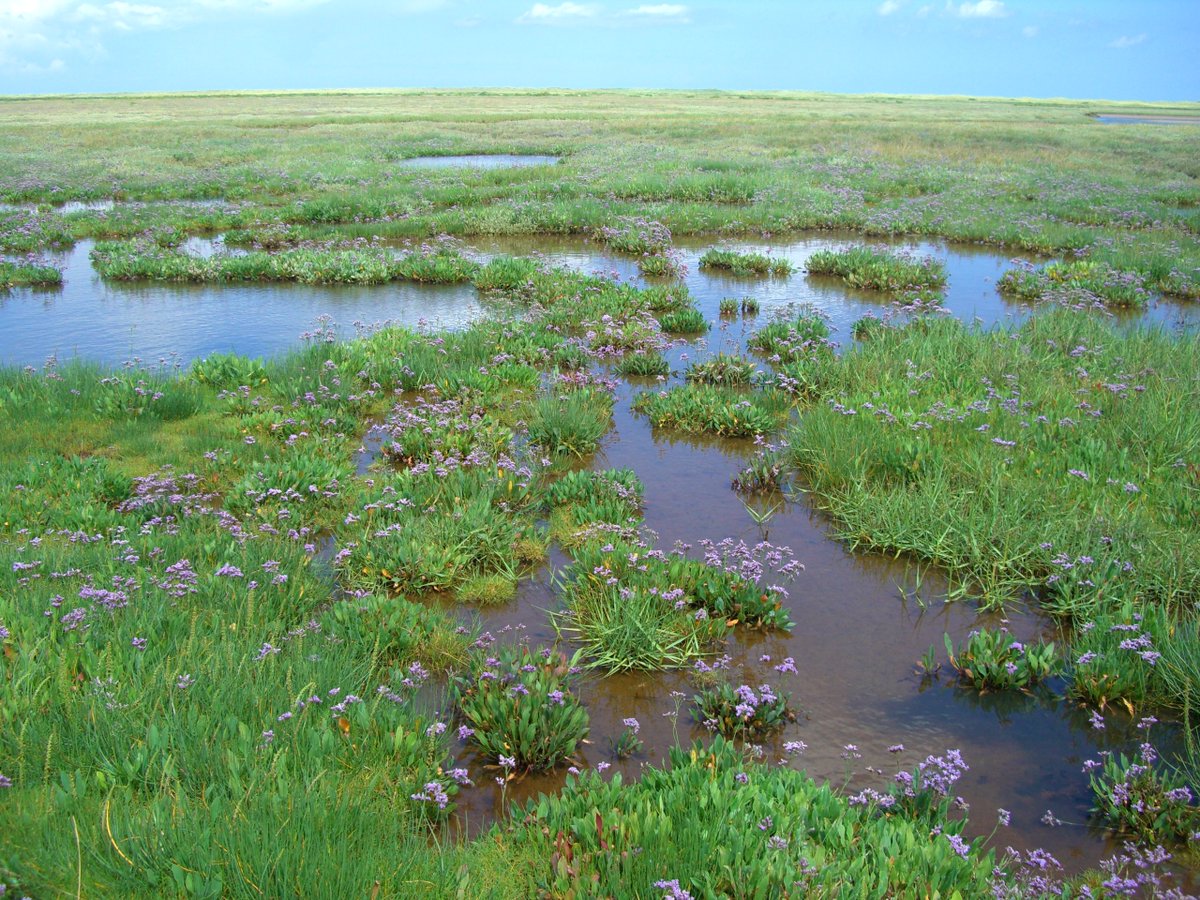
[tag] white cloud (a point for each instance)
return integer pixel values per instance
(1030, 31)
(924, 11)
(980, 9)
(657, 13)
(1126, 41)
(660, 10)
(887, 7)
(562, 14)
(569, 13)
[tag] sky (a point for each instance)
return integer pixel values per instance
(1092, 49)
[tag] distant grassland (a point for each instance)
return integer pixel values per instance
(1035, 174)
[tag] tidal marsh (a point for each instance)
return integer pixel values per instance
(274, 620)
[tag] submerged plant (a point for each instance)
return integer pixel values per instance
(995, 660)
(742, 712)
(1140, 797)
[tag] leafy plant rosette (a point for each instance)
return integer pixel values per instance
(742, 712)
(995, 660)
(517, 706)
(1139, 797)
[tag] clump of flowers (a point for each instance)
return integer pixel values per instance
(1140, 797)
(743, 711)
(924, 792)
(517, 706)
(995, 660)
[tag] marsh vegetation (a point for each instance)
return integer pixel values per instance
(382, 609)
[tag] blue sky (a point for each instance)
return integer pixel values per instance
(1130, 50)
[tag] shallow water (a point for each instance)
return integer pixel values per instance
(862, 622)
(971, 294)
(478, 161)
(1148, 120)
(112, 322)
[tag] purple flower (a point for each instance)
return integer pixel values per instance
(464, 732)
(5, 781)
(138, 643)
(632, 724)
(673, 890)
(961, 847)
(1004, 817)
(433, 793)
(508, 762)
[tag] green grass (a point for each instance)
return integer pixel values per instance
(1050, 459)
(762, 832)
(27, 274)
(131, 261)
(878, 269)
(1077, 281)
(745, 263)
(699, 408)
(1026, 174)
